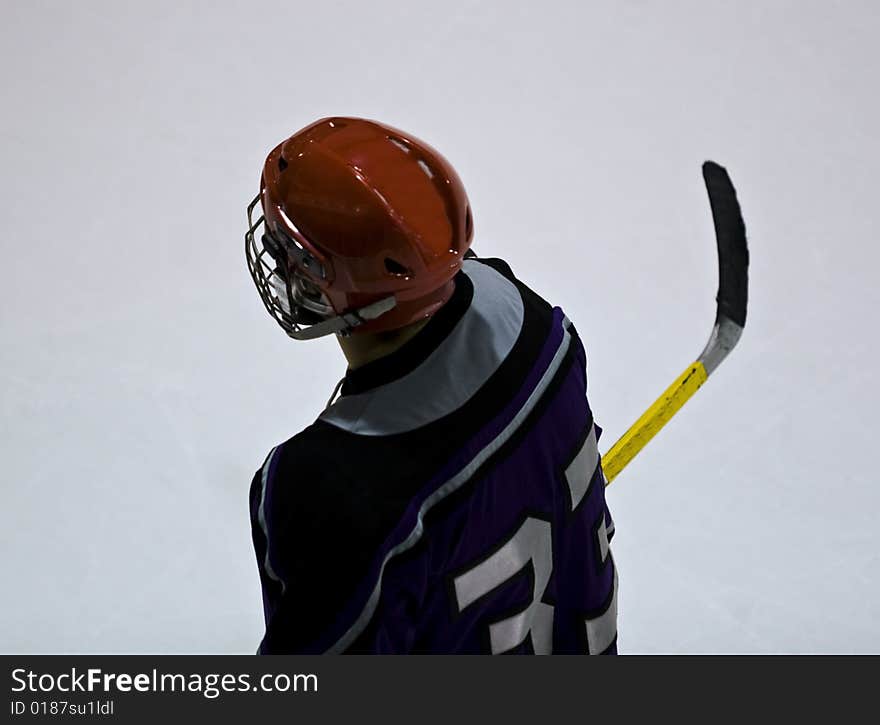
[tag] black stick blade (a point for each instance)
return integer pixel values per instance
(733, 251)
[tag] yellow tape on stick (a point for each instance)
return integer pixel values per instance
(652, 420)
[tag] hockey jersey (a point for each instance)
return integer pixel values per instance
(451, 500)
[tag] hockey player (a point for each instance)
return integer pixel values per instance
(451, 500)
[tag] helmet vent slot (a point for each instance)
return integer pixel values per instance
(282, 164)
(394, 267)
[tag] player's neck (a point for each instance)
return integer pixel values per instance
(367, 347)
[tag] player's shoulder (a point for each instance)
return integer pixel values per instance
(539, 311)
(496, 263)
(305, 498)
(308, 456)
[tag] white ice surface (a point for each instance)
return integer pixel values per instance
(142, 382)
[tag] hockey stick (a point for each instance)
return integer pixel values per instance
(730, 319)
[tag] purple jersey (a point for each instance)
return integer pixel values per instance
(452, 500)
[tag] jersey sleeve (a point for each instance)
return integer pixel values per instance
(320, 571)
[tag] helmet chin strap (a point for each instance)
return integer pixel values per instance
(345, 323)
(329, 324)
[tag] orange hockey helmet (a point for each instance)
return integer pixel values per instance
(364, 228)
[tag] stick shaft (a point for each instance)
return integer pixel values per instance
(652, 420)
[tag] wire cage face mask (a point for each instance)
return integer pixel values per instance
(295, 302)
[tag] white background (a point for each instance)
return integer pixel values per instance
(143, 383)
